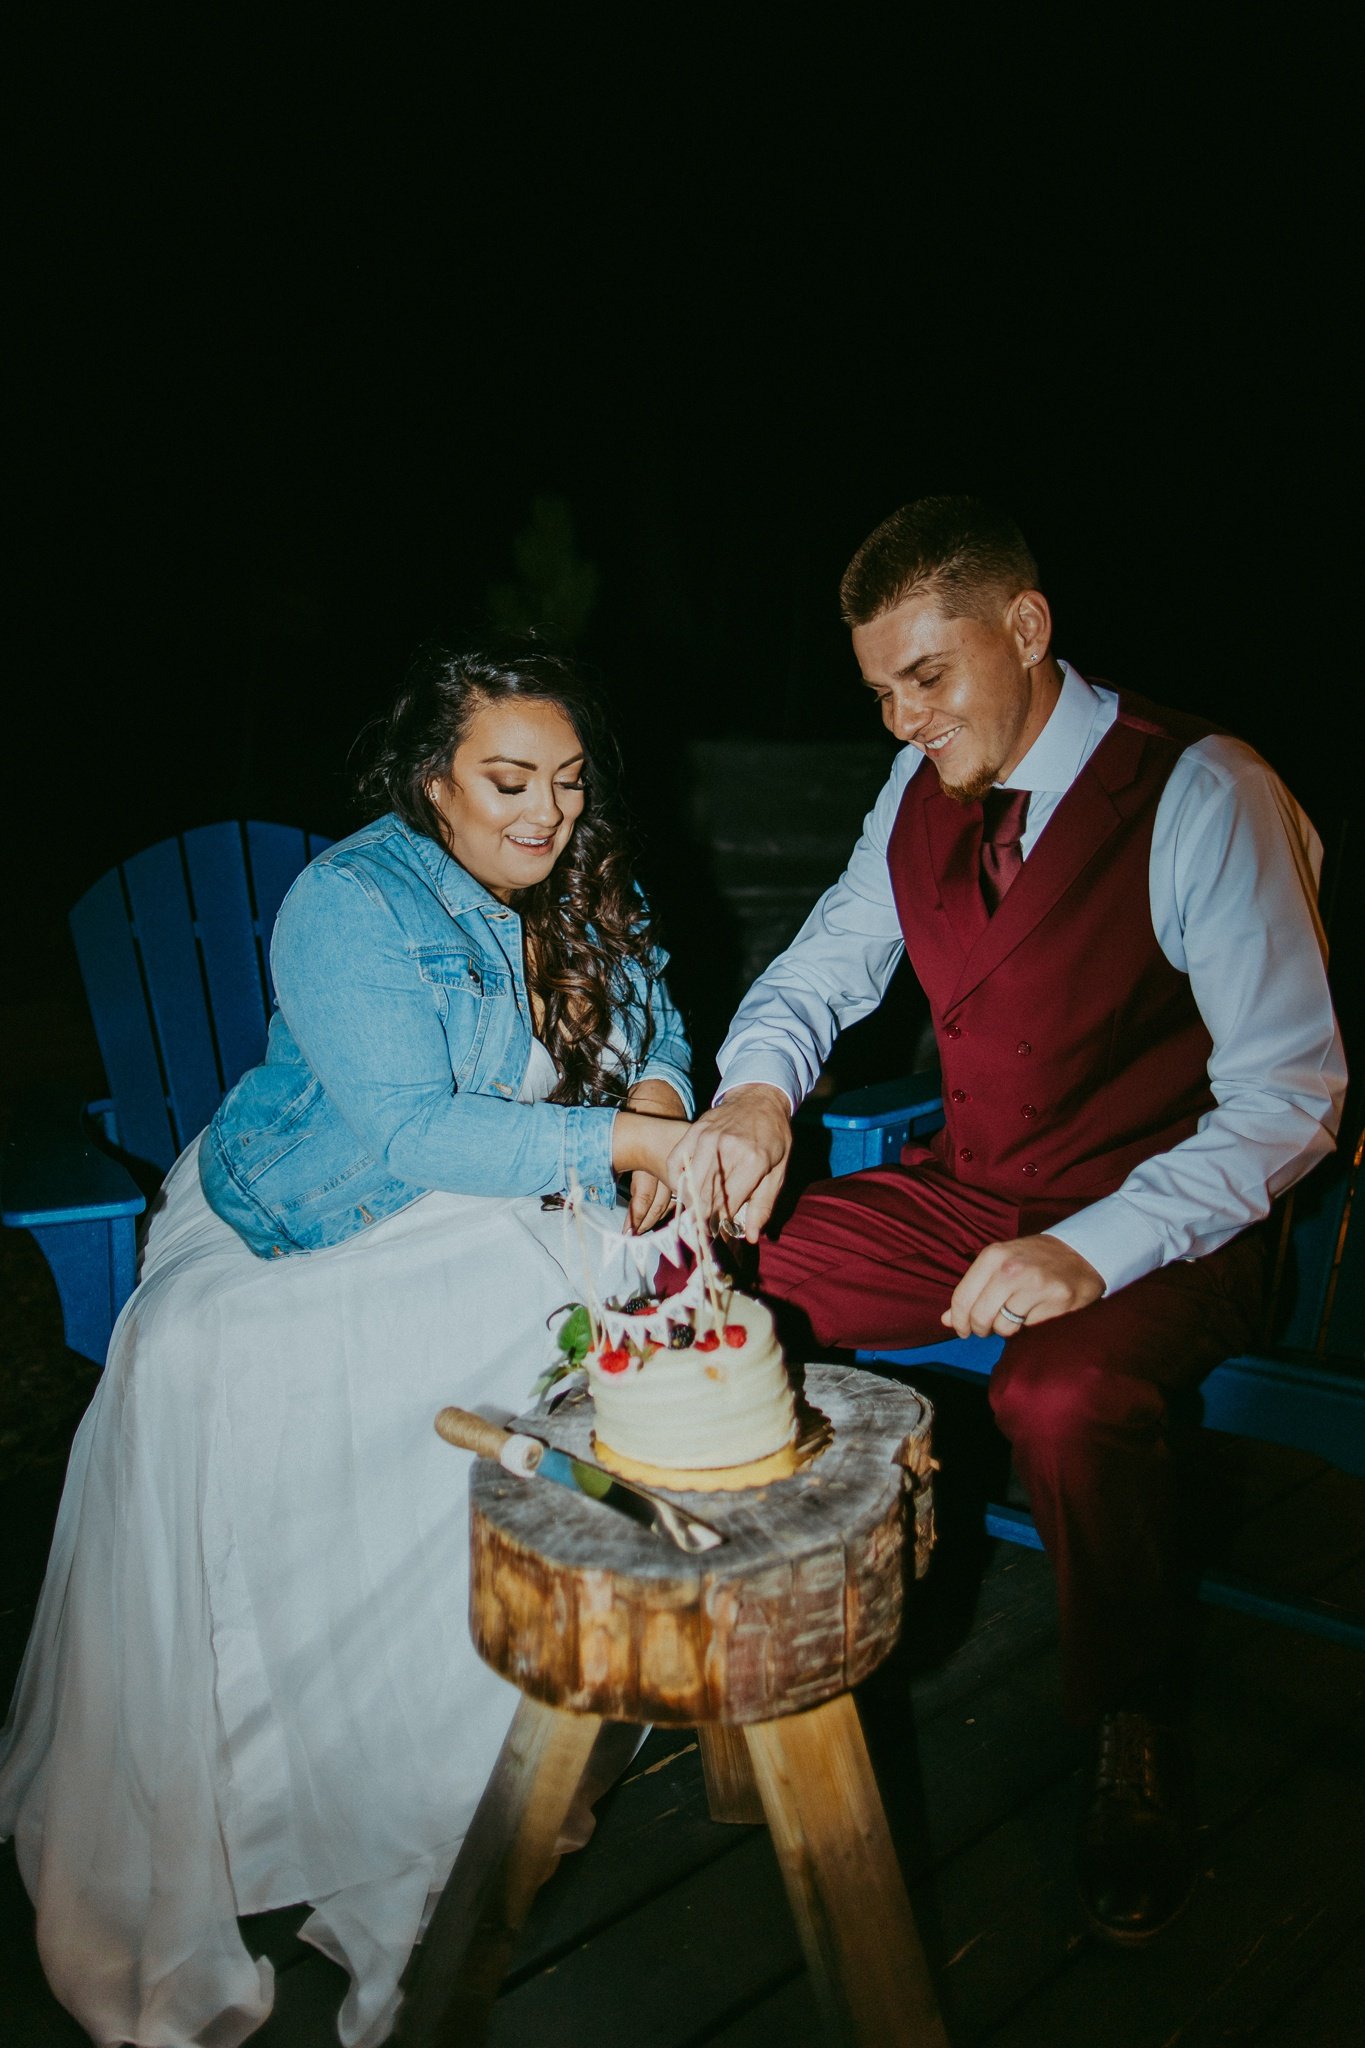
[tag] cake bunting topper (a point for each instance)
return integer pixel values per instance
(621, 1311)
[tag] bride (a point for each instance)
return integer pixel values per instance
(250, 1682)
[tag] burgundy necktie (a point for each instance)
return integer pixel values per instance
(1004, 813)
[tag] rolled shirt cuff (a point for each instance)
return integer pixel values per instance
(770, 1068)
(1115, 1238)
(586, 1157)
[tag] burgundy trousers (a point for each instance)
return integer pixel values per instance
(872, 1259)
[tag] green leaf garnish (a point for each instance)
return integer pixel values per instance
(562, 1369)
(574, 1335)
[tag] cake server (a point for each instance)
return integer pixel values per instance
(527, 1457)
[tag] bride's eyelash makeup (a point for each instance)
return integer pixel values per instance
(519, 788)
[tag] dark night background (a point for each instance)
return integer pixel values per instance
(307, 324)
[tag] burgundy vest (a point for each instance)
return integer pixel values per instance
(1072, 1050)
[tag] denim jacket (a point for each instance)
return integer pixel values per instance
(396, 1054)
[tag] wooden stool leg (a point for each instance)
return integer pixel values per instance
(843, 1881)
(731, 1792)
(507, 1855)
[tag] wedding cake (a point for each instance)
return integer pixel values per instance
(689, 1385)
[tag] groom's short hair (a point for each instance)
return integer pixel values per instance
(969, 556)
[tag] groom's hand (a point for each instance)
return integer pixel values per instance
(735, 1156)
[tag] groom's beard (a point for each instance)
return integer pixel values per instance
(974, 788)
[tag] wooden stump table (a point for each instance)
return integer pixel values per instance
(755, 1644)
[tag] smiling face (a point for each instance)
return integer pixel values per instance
(512, 794)
(972, 695)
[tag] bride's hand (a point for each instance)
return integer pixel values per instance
(644, 1134)
(650, 1202)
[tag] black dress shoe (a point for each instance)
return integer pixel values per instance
(1135, 1854)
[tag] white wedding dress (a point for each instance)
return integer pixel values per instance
(250, 1681)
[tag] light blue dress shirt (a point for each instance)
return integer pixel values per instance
(1232, 883)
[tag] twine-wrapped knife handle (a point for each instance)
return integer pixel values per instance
(519, 1454)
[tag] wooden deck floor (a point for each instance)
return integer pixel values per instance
(669, 1931)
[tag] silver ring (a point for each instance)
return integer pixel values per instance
(727, 1227)
(1010, 1316)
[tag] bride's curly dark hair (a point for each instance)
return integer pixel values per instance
(586, 922)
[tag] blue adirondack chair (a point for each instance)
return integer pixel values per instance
(1305, 1386)
(174, 951)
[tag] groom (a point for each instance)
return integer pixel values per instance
(1111, 907)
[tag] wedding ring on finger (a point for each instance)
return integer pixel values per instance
(732, 1226)
(1011, 1317)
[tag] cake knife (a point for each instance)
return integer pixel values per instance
(527, 1457)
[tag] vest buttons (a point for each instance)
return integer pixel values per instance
(1023, 1046)
(965, 1154)
(1028, 1169)
(953, 1031)
(1028, 1110)
(958, 1095)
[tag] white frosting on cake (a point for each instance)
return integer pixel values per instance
(700, 1410)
